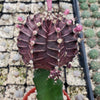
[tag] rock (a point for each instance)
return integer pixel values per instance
(77, 73)
(40, 4)
(6, 29)
(79, 97)
(16, 74)
(16, 57)
(5, 17)
(2, 56)
(3, 43)
(22, 6)
(19, 94)
(7, 7)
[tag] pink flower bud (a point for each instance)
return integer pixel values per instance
(32, 42)
(20, 19)
(78, 29)
(18, 26)
(69, 22)
(54, 74)
(66, 12)
(58, 29)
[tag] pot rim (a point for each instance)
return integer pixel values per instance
(33, 90)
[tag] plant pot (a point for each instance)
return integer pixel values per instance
(33, 90)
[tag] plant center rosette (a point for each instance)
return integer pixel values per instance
(48, 41)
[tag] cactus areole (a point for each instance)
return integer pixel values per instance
(48, 41)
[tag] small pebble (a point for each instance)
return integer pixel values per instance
(77, 73)
(40, 4)
(16, 57)
(5, 17)
(16, 74)
(79, 97)
(19, 94)
(2, 57)
(7, 7)
(6, 29)
(22, 6)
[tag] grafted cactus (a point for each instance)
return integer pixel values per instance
(48, 41)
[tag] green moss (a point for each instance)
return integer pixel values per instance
(95, 65)
(93, 54)
(85, 14)
(84, 6)
(88, 23)
(91, 42)
(1, 7)
(96, 14)
(97, 23)
(99, 42)
(94, 7)
(98, 34)
(81, 1)
(96, 77)
(97, 90)
(91, 1)
(89, 33)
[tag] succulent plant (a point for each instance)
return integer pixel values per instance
(48, 41)
(84, 6)
(96, 14)
(98, 42)
(93, 54)
(97, 90)
(91, 42)
(89, 33)
(98, 34)
(85, 14)
(92, 1)
(88, 23)
(95, 65)
(81, 1)
(94, 7)
(96, 77)
(97, 23)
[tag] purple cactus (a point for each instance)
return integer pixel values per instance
(48, 40)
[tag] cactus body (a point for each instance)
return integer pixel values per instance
(85, 14)
(89, 33)
(95, 65)
(48, 42)
(47, 88)
(93, 54)
(84, 6)
(91, 42)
